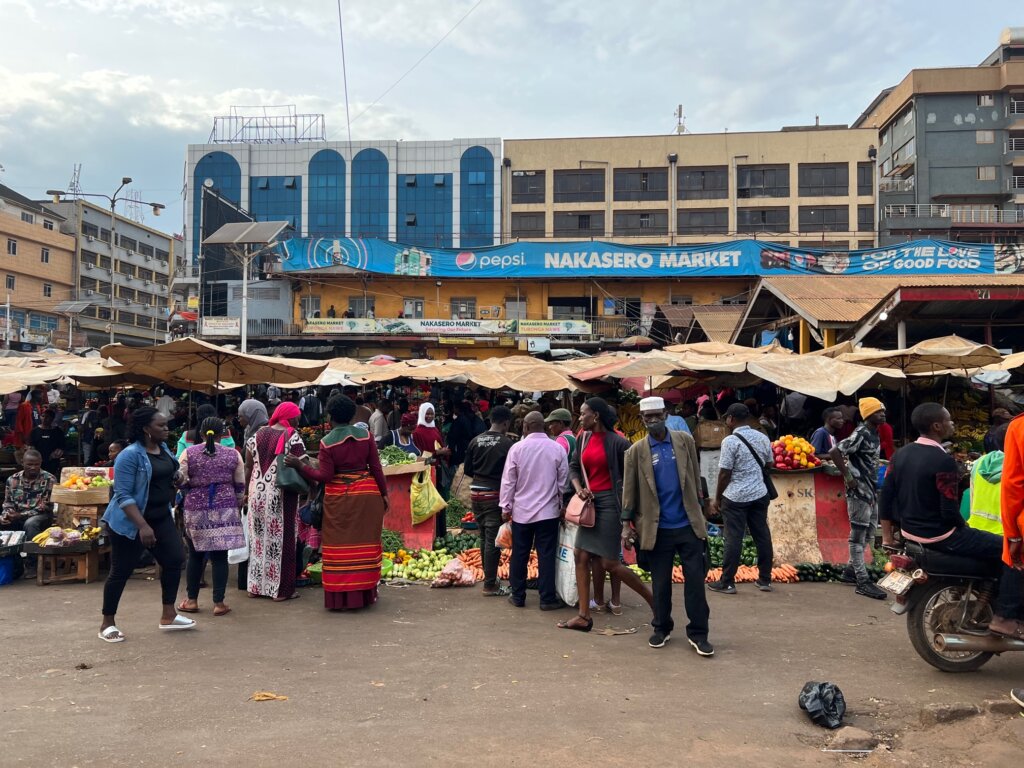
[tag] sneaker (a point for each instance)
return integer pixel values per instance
(702, 647)
(555, 606)
(764, 586)
(515, 602)
(848, 576)
(1017, 694)
(870, 589)
(725, 589)
(658, 640)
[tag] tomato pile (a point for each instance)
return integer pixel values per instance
(789, 452)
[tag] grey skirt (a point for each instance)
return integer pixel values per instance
(605, 538)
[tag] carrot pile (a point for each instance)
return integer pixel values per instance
(784, 574)
(471, 558)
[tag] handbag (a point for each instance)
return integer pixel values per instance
(312, 512)
(290, 479)
(768, 482)
(241, 554)
(578, 511)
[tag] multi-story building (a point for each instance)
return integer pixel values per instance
(37, 270)
(124, 269)
(809, 186)
(951, 150)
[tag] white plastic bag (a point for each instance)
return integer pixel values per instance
(503, 540)
(240, 555)
(565, 564)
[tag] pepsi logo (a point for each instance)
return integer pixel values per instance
(465, 260)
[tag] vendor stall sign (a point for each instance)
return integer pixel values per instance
(608, 259)
(332, 325)
(549, 327)
(456, 341)
(221, 326)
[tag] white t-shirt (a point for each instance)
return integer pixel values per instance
(52, 396)
(165, 405)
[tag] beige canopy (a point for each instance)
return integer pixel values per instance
(933, 356)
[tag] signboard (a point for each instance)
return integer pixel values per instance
(606, 259)
(425, 327)
(221, 326)
(192, 302)
(455, 341)
(536, 346)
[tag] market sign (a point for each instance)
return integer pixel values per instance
(426, 327)
(549, 327)
(607, 259)
(221, 326)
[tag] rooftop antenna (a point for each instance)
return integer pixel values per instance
(681, 121)
(134, 208)
(75, 186)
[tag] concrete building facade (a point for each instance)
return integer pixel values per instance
(126, 276)
(37, 272)
(951, 150)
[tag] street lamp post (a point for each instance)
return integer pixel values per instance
(113, 199)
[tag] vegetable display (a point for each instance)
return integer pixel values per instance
(393, 456)
(789, 453)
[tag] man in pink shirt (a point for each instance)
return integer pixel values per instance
(536, 471)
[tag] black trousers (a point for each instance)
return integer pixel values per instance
(488, 518)
(196, 566)
(691, 551)
(124, 556)
(542, 536)
(982, 545)
(739, 517)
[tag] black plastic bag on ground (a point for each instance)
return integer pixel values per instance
(824, 703)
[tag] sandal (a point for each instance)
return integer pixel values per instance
(178, 623)
(292, 596)
(568, 624)
(183, 609)
(222, 611)
(1017, 633)
(111, 635)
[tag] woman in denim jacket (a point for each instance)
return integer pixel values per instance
(139, 516)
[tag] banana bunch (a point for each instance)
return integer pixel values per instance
(41, 538)
(630, 422)
(91, 533)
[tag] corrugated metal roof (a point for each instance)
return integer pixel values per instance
(718, 321)
(839, 299)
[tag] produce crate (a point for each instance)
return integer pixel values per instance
(710, 434)
(88, 497)
(11, 542)
(72, 516)
(77, 548)
(405, 469)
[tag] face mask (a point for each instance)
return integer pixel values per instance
(656, 427)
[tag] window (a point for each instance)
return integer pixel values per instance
(863, 245)
(410, 219)
(103, 313)
(904, 153)
(412, 308)
(161, 325)
(144, 321)
(865, 179)
(886, 135)
(645, 223)
(438, 179)
(579, 224)
(47, 224)
(763, 219)
(47, 290)
(865, 218)
(579, 186)
(762, 181)
(103, 288)
(528, 224)
(710, 183)
(38, 322)
(410, 180)
(310, 306)
(44, 255)
(527, 187)
(987, 173)
(128, 243)
(463, 308)
(12, 247)
(126, 318)
(515, 309)
(623, 307)
(262, 183)
(984, 137)
(87, 283)
(125, 293)
(704, 221)
(677, 300)
(126, 269)
(908, 115)
(824, 180)
(145, 274)
(361, 305)
(162, 255)
(738, 299)
(28, 218)
(887, 166)
(10, 282)
(289, 182)
(104, 262)
(641, 184)
(146, 249)
(476, 178)
(824, 218)
(104, 235)
(986, 100)
(89, 258)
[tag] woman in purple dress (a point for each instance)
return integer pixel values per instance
(213, 478)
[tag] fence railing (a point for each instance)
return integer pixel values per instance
(915, 211)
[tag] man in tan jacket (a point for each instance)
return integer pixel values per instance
(662, 514)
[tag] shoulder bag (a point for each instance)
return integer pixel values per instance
(578, 511)
(288, 478)
(768, 482)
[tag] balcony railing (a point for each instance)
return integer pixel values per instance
(969, 216)
(1014, 145)
(916, 212)
(897, 185)
(1015, 107)
(1015, 182)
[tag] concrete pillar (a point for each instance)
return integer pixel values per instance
(901, 334)
(805, 337)
(830, 337)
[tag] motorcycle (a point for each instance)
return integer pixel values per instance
(948, 604)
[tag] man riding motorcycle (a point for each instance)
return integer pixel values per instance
(920, 495)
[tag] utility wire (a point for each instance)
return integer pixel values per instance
(344, 78)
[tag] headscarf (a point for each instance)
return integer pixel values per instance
(421, 420)
(283, 414)
(255, 413)
(408, 420)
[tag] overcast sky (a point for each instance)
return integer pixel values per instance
(122, 86)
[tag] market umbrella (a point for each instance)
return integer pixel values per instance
(820, 377)
(932, 356)
(194, 360)
(637, 342)
(722, 348)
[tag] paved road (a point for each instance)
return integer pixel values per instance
(445, 677)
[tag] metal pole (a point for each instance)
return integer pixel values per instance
(7, 329)
(245, 302)
(113, 264)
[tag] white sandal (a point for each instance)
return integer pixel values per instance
(179, 623)
(111, 635)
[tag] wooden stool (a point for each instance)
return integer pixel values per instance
(69, 566)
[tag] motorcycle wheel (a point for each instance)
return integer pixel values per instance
(938, 611)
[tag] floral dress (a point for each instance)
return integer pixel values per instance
(273, 514)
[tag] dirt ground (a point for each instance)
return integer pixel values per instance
(448, 678)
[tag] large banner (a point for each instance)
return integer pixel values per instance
(415, 327)
(603, 259)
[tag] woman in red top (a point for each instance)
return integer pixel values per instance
(596, 474)
(428, 438)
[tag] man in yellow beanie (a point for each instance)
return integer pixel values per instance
(857, 459)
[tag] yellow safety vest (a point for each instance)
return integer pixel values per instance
(986, 514)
